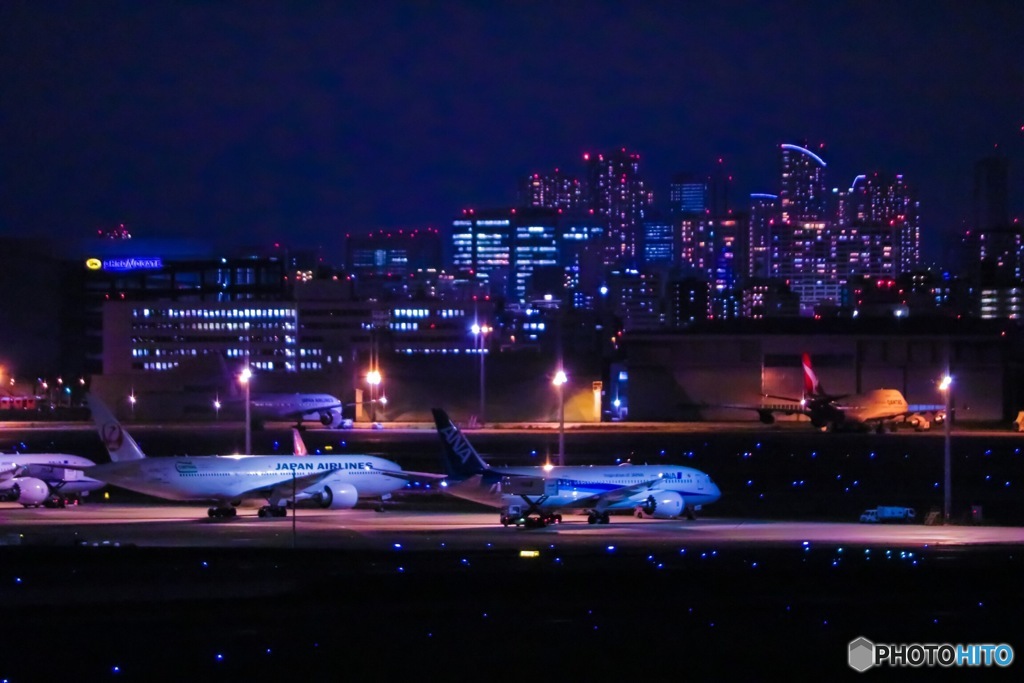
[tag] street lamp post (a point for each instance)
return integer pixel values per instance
(946, 387)
(480, 332)
(559, 380)
(245, 378)
(373, 378)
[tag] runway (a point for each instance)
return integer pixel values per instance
(161, 525)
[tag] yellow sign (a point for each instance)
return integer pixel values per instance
(93, 264)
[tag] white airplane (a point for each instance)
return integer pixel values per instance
(533, 496)
(264, 407)
(333, 482)
(47, 479)
(878, 408)
(280, 406)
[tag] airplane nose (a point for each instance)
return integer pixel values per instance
(715, 492)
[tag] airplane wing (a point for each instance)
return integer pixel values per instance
(413, 476)
(283, 487)
(766, 410)
(8, 470)
(602, 501)
(296, 414)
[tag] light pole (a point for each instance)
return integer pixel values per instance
(373, 379)
(131, 400)
(480, 331)
(946, 387)
(245, 378)
(216, 407)
(559, 380)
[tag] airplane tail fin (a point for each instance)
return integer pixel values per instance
(119, 444)
(299, 446)
(812, 387)
(459, 457)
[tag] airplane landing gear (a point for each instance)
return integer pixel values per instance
(595, 517)
(273, 511)
(222, 512)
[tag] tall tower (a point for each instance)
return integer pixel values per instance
(764, 209)
(688, 194)
(800, 238)
(616, 192)
(993, 245)
(877, 229)
(555, 190)
(802, 195)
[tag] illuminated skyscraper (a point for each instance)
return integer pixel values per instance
(800, 245)
(688, 194)
(482, 248)
(616, 192)
(396, 252)
(877, 229)
(802, 195)
(501, 248)
(659, 242)
(555, 190)
(993, 244)
(764, 209)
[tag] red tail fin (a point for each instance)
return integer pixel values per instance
(299, 446)
(811, 385)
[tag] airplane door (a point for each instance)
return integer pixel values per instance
(700, 482)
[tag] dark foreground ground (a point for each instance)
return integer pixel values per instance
(740, 613)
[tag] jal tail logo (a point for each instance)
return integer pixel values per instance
(113, 437)
(458, 443)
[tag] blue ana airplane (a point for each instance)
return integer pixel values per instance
(47, 479)
(534, 496)
(329, 481)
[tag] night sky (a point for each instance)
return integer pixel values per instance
(260, 121)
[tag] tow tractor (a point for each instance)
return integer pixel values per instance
(533, 491)
(529, 515)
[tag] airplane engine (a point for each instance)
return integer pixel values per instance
(919, 422)
(338, 497)
(663, 505)
(332, 419)
(31, 491)
(766, 417)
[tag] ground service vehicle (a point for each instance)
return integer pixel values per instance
(888, 513)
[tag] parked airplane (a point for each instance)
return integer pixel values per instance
(534, 496)
(878, 408)
(47, 479)
(330, 481)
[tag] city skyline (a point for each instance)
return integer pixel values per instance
(300, 125)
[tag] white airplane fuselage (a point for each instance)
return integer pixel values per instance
(231, 477)
(878, 404)
(565, 486)
(48, 467)
(290, 406)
